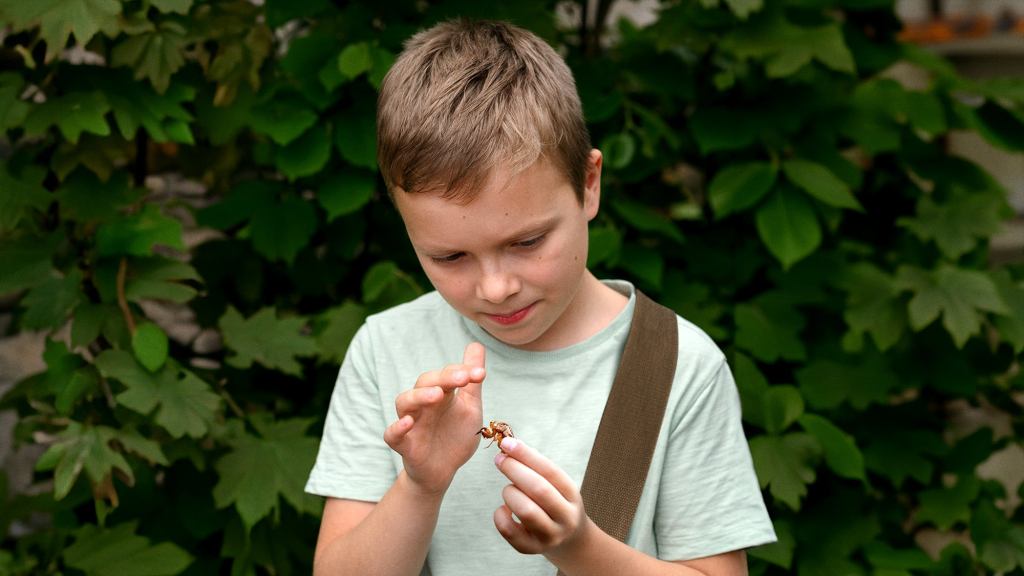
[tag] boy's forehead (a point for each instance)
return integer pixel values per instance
(501, 179)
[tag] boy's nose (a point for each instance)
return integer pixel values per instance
(496, 286)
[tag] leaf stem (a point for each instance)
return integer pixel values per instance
(122, 301)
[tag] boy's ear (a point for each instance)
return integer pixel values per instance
(592, 184)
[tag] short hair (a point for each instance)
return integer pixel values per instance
(466, 97)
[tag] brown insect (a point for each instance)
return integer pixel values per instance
(496, 431)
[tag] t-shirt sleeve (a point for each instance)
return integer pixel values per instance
(710, 501)
(353, 461)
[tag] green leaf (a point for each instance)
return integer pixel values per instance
(1011, 325)
(59, 19)
(184, 404)
(956, 225)
(283, 119)
(1000, 126)
(82, 382)
(784, 464)
(21, 194)
(643, 263)
(779, 552)
(788, 226)
(266, 339)
(782, 406)
(604, 246)
(167, 6)
(884, 557)
(281, 229)
(280, 12)
(120, 551)
(338, 326)
(873, 304)
(306, 155)
(945, 507)
(769, 329)
(647, 219)
(26, 262)
(820, 183)
(826, 384)
(355, 135)
(259, 470)
(346, 192)
(694, 301)
(156, 54)
(959, 295)
(149, 343)
(752, 386)
(785, 47)
(901, 453)
(137, 234)
(73, 114)
(48, 305)
(85, 198)
(13, 110)
(383, 59)
(135, 105)
(88, 322)
(157, 278)
(377, 278)
(744, 8)
(618, 150)
(740, 186)
(355, 59)
(840, 448)
(81, 447)
(1000, 544)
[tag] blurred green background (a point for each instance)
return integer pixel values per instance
(192, 228)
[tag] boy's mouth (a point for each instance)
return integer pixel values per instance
(514, 317)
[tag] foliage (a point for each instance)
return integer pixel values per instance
(766, 176)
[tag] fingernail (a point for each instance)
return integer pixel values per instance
(458, 374)
(478, 373)
(509, 444)
(499, 458)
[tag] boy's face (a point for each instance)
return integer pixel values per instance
(513, 259)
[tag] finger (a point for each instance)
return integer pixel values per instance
(536, 487)
(537, 462)
(450, 377)
(530, 515)
(395, 434)
(514, 533)
(415, 399)
(475, 356)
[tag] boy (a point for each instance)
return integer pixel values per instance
(483, 148)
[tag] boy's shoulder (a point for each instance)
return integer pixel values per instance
(418, 315)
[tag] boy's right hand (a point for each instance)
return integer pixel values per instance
(437, 421)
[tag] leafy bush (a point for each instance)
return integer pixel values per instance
(189, 208)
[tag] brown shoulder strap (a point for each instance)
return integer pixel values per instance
(632, 418)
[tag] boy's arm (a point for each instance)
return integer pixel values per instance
(390, 537)
(435, 435)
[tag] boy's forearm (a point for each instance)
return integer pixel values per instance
(391, 541)
(598, 554)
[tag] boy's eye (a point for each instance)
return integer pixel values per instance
(531, 242)
(447, 259)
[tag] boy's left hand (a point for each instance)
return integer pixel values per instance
(544, 499)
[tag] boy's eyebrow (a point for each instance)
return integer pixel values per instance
(521, 234)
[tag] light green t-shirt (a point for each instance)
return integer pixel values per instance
(701, 496)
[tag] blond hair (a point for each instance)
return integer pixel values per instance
(467, 97)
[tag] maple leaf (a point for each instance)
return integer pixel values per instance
(184, 403)
(59, 19)
(156, 54)
(263, 338)
(261, 469)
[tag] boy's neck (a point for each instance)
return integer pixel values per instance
(595, 306)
